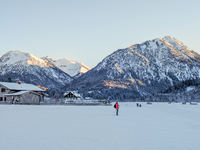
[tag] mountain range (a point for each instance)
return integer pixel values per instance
(136, 71)
(26, 67)
(140, 70)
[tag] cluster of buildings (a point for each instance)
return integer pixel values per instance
(21, 93)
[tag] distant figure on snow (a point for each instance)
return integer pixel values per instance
(116, 106)
(139, 105)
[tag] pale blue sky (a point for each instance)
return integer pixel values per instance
(89, 30)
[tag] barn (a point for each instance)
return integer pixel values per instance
(20, 93)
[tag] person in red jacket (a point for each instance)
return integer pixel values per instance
(117, 108)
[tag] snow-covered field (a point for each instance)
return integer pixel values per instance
(160, 126)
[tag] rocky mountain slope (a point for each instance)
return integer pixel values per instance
(69, 66)
(26, 67)
(139, 70)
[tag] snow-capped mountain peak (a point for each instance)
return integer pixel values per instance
(173, 41)
(18, 57)
(69, 66)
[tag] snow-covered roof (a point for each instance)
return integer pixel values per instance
(73, 92)
(22, 87)
(17, 93)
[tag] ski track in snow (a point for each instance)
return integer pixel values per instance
(160, 126)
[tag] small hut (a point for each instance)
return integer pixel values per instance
(72, 96)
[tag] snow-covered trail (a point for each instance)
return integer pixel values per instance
(160, 126)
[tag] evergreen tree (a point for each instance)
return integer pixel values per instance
(9, 79)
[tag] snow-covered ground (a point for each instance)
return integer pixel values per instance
(160, 126)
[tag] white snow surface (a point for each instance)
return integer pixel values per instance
(189, 88)
(160, 126)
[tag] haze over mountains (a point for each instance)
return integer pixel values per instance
(138, 70)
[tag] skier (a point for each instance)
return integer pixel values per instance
(117, 108)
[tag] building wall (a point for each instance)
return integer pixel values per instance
(6, 92)
(30, 98)
(8, 99)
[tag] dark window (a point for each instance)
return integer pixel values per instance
(4, 98)
(3, 90)
(1, 98)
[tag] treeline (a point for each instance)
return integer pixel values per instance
(54, 93)
(6, 80)
(112, 94)
(179, 87)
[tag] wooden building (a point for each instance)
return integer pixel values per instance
(20, 93)
(72, 96)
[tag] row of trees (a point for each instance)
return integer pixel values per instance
(191, 96)
(181, 86)
(112, 94)
(6, 80)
